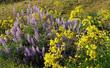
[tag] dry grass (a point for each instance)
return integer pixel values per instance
(90, 6)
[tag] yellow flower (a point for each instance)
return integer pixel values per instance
(89, 17)
(56, 40)
(49, 59)
(76, 12)
(92, 54)
(93, 46)
(52, 42)
(4, 21)
(58, 35)
(86, 22)
(11, 20)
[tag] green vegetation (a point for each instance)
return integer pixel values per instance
(55, 34)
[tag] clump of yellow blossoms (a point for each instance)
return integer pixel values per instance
(76, 13)
(6, 24)
(90, 42)
(57, 46)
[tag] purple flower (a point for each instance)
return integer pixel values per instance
(48, 33)
(58, 21)
(78, 28)
(33, 49)
(33, 21)
(64, 38)
(74, 23)
(37, 49)
(36, 9)
(29, 38)
(18, 36)
(43, 51)
(27, 52)
(58, 45)
(32, 41)
(14, 39)
(16, 23)
(28, 19)
(36, 35)
(13, 30)
(2, 41)
(41, 16)
(44, 25)
(67, 24)
(18, 30)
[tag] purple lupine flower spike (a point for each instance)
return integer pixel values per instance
(64, 38)
(33, 48)
(28, 19)
(48, 33)
(75, 22)
(33, 21)
(32, 41)
(43, 51)
(44, 25)
(67, 24)
(58, 45)
(27, 52)
(18, 34)
(18, 29)
(36, 9)
(13, 31)
(32, 51)
(28, 38)
(14, 39)
(16, 22)
(37, 49)
(36, 35)
(58, 21)
(78, 28)
(51, 18)
(41, 16)
(3, 42)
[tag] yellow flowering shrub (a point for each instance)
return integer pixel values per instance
(6, 24)
(57, 46)
(76, 13)
(89, 44)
